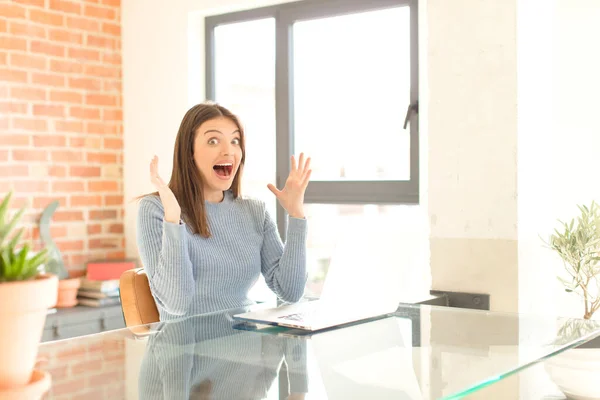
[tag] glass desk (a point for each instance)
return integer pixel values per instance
(419, 352)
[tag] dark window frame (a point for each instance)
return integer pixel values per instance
(285, 15)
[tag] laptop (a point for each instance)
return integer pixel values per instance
(364, 281)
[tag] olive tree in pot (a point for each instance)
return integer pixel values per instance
(577, 242)
(25, 296)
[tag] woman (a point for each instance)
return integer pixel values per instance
(202, 245)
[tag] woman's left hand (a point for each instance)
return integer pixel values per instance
(291, 197)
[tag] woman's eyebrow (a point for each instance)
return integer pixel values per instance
(217, 131)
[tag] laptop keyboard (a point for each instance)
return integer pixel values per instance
(300, 317)
(307, 311)
(294, 317)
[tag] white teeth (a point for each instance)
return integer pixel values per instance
(224, 165)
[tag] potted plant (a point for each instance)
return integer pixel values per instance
(25, 296)
(578, 244)
(67, 286)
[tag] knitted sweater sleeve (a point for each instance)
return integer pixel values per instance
(284, 265)
(163, 252)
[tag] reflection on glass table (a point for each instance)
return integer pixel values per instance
(419, 352)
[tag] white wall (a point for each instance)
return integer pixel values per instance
(472, 148)
(155, 86)
(513, 143)
(535, 74)
(536, 87)
(576, 126)
(559, 138)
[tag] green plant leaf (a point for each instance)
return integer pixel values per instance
(2, 266)
(37, 260)
(6, 229)
(13, 243)
(5, 259)
(20, 257)
(4, 206)
(577, 243)
(16, 264)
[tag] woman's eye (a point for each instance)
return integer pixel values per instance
(213, 141)
(236, 141)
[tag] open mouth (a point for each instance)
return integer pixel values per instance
(223, 170)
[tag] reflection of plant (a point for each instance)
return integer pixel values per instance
(16, 265)
(575, 329)
(578, 244)
(322, 270)
(316, 277)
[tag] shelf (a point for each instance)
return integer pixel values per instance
(81, 320)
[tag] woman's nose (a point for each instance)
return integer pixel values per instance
(227, 149)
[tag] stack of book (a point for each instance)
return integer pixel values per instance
(100, 286)
(98, 293)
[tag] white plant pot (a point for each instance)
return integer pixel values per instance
(576, 372)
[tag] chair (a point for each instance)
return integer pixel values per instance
(137, 302)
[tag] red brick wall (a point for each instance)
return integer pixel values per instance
(61, 120)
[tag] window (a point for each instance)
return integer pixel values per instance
(345, 91)
(245, 84)
(337, 80)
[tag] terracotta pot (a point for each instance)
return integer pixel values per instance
(40, 383)
(23, 309)
(67, 292)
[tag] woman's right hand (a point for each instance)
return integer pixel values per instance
(170, 204)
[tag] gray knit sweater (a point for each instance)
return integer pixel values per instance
(191, 275)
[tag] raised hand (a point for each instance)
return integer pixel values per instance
(170, 204)
(291, 197)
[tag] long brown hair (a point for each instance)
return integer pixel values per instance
(186, 181)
